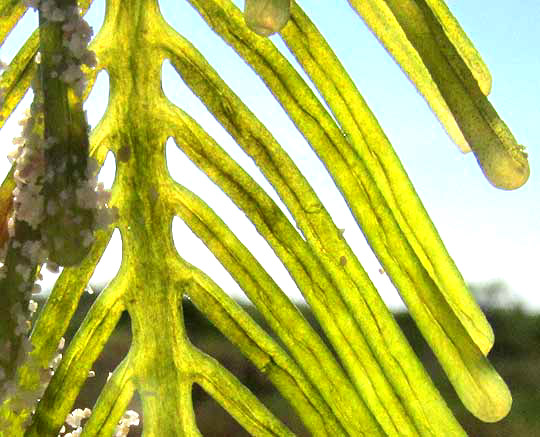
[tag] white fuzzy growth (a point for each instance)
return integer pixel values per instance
(47, 8)
(24, 270)
(14, 154)
(11, 227)
(16, 141)
(76, 416)
(22, 324)
(77, 36)
(32, 171)
(130, 418)
(86, 196)
(77, 44)
(105, 217)
(29, 168)
(55, 362)
(87, 238)
(34, 251)
(29, 207)
(75, 433)
(57, 15)
(72, 74)
(103, 195)
(32, 306)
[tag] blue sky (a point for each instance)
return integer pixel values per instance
(491, 234)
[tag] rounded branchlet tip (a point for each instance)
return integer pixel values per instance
(504, 169)
(266, 17)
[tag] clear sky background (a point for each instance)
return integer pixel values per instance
(491, 234)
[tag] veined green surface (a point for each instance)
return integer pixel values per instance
(374, 385)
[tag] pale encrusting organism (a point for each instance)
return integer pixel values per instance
(57, 204)
(74, 425)
(75, 418)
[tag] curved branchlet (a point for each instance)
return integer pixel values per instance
(291, 380)
(479, 386)
(11, 12)
(427, 42)
(112, 401)
(236, 398)
(18, 77)
(77, 362)
(320, 232)
(308, 273)
(367, 142)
